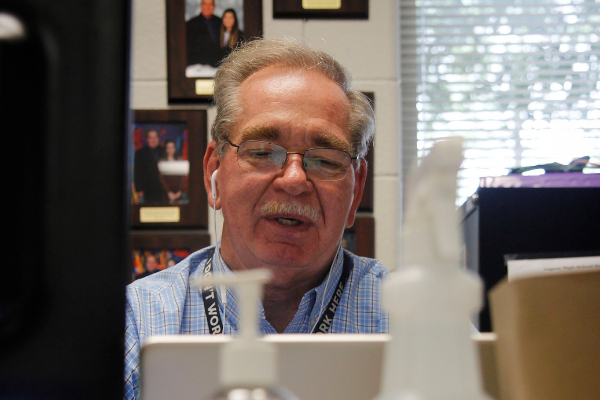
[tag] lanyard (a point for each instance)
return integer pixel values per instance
(326, 319)
(211, 301)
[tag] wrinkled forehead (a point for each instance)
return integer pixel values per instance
(309, 98)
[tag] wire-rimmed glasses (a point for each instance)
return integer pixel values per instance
(323, 164)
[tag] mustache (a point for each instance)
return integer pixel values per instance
(273, 208)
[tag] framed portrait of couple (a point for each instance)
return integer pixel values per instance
(200, 34)
(167, 183)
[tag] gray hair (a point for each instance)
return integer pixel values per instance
(258, 54)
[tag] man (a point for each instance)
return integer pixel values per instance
(146, 177)
(202, 36)
(150, 266)
(288, 144)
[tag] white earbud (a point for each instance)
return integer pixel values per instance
(214, 188)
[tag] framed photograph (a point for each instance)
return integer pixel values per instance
(360, 238)
(324, 9)
(366, 203)
(167, 175)
(154, 251)
(200, 33)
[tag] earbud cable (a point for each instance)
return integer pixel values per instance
(223, 290)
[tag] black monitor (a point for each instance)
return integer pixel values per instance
(64, 117)
(553, 215)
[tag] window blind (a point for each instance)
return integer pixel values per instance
(517, 79)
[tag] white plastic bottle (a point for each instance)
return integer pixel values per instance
(248, 365)
(431, 355)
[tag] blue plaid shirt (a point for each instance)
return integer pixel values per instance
(166, 304)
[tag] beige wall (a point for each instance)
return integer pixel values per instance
(370, 49)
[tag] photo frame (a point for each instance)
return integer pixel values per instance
(360, 238)
(154, 251)
(167, 148)
(193, 50)
(321, 9)
(366, 203)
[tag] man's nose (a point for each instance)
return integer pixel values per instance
(292, 178)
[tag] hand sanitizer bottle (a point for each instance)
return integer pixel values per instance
(431, 355)
(248, 368)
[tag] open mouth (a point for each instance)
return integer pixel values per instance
(288, 221)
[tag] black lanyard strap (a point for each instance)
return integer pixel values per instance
(326, 320)
(211, 301)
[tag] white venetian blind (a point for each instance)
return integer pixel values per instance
(519, 80)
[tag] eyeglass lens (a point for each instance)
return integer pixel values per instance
(322, 164)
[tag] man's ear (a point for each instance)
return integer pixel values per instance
(211, 163)
(360, 177)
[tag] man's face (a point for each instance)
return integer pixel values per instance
(207, 8)
(299, 110)
(152, 139)
(151, 264)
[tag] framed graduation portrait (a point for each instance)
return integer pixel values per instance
(201, 33)
(167, 174)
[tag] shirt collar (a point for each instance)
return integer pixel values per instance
(323, 292)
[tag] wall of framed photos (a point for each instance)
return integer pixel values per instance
(369, 47)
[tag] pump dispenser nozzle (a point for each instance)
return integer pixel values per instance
(248, 368)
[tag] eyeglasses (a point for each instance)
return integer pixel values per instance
(319, 163)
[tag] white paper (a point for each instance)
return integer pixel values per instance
(548, 266)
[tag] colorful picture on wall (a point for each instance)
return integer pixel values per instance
(153, 251)
(212, 29)
(148, 262)
(160, 163)
(200, 34)
(167, 184)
